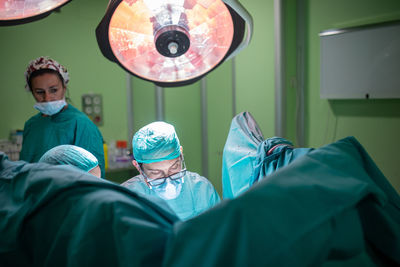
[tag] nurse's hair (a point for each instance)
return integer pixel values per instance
(37, 73)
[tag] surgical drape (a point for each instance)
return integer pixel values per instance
(62, 216)
(330, 207)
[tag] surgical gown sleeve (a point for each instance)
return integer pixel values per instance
(316, 211)
(62, 216)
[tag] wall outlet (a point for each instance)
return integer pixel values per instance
(92, 106)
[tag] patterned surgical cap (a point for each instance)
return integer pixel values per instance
(45, 63)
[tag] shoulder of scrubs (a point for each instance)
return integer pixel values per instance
(197, 196)
(30, 123)
(33, 119)
(201, 184)
(87, 136)
(137, 184)
(25, 152)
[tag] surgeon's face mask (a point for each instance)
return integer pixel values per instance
(50, 108)
(170, 189)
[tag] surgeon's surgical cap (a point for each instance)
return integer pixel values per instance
(70, 155)
(156, 142)
(45, 63)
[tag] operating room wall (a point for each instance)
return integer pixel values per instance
(254, 93)
(375, 123)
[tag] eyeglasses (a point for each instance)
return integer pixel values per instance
(161, 180)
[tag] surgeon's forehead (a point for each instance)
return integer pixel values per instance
(161, 165)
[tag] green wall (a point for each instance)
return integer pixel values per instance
(375, 123)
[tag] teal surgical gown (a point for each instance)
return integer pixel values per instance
(59, 215)
(68, 127)
(196, 196)
(248, 158)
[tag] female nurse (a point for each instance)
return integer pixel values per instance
(58, 122)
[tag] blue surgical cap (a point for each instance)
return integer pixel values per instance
(70, 155)
(156, 142)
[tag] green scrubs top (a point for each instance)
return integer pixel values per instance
(68, 127)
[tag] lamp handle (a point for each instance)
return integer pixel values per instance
(238, 7)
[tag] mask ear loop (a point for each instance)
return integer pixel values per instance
(145, 176)
(183, 167)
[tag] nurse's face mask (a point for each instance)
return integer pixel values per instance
(165, 178)
(50, 108)
(49, 92)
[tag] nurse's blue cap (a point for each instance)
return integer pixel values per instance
(156, 142)
(70, 155)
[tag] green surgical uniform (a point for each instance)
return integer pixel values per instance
(59, 215)
(68, 127)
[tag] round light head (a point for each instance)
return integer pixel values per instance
(13, 12)
(168, 42)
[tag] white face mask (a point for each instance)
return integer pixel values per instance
(50, 108)
(170, 189)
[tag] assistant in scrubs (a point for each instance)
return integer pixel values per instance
(57, 122)
(159, 159)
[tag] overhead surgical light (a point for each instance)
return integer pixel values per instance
(173, 42)
(14, 12)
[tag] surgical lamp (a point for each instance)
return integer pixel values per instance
(14, 12)
(173, 42)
